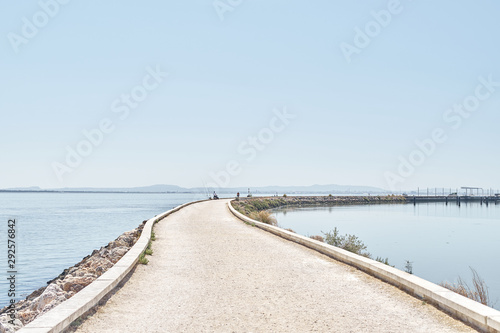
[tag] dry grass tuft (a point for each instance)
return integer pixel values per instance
(318, 238)
(478, 292)
(264, 217)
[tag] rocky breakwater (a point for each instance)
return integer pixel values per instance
(68, 283)
(249, 205)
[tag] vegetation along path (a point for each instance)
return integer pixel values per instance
(210, 272)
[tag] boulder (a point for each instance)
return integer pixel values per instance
(70, 281)
(78, 283)
(6, 327)
(117, 253)
(58, 300)
(26, 316)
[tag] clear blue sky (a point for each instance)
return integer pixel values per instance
(353, 120)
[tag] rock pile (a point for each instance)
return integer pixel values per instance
(69, 282)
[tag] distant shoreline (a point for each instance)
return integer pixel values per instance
(183, 192)
(256, 204)
(169, 188)
(120, 192)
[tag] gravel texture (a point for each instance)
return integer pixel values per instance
(210, 272)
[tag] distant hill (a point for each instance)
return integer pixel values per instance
(143, 189)
(326, 189)
(321, 189)
(32, 188)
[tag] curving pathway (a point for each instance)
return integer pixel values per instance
(210, 272)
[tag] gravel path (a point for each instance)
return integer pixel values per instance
(210, 272)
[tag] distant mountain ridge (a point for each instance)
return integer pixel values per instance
(161, 188)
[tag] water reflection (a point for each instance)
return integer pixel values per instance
(441, 240)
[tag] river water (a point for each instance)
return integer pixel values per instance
(442, 241)
(56, 230)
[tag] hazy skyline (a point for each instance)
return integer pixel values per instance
(392, 94)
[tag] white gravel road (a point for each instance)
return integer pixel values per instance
(210, 272)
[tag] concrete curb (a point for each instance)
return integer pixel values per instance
(65, 313)
(477, 315)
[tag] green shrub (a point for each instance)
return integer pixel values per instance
(350, 243)
(149, 250)
(384, 261)
(77, 322)
(409, 267)
(142, 259)
(256, 204)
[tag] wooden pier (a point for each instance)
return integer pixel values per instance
(454, 199)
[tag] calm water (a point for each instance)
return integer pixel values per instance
(56, 230)
(441, 240)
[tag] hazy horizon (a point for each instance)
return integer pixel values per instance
(184, 187)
